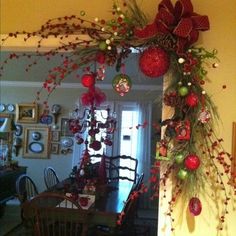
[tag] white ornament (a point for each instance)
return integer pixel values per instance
(108, 41)
(181, 60)
(204, 116)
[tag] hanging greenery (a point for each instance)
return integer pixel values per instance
(189, 150)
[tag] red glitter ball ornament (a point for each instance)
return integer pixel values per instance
(192, 100)
(192, 162)
(195, 206)
(154, 62)
(88, 80)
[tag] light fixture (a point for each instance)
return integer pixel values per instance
(85, 123)
(86, 120)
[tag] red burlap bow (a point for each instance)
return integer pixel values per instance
(181, 21)
(178, 20)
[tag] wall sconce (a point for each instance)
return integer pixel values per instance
(56, 111)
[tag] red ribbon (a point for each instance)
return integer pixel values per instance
(178, 20)
(181, 21)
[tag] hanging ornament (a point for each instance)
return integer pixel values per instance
(191, 100)
(122, 84)
(154, 62)
(192, 162)
(183, 91)
(195, 206)
(204, 116)
(88, 80)
(95, 145)
(182, 130)
(179, 158)
(162, 151)
(182, 174)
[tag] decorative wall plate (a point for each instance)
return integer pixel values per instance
(36, 136)
(11, 107)
(46, 119)
(36, 147)
(2, 107)
(66, 142)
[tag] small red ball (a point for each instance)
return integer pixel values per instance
(195, 206)
(191, 100)
(192, 162)
(154, 62)
(88, 80)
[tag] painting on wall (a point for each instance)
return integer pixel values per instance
(54, 148)
(27, 113)
(36, 142)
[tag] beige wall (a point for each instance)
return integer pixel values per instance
(222, 15)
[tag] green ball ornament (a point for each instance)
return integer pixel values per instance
(102, 46)
(183, 91)
(182, 174)
(179, 158)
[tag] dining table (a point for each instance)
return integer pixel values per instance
(109, 201)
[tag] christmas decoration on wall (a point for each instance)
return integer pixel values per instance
(189, 151)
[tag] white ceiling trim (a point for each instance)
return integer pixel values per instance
(26, 84)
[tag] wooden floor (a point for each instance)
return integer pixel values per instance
(11, 217)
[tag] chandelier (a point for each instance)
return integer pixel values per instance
(89, 124)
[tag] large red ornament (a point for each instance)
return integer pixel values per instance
(154, 62)
(192, 162)
(195, 206)
(191, 100)
(88, 80)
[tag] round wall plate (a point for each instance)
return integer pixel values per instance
(66, 142)
(11, 107)
(2, 107)
(36, 147)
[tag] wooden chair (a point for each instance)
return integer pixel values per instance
(54, 214)
(127, 224)
(126, 166)
(120, 167)
(25, 189)
(50, 177)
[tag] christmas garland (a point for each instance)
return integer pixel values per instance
(189, 148)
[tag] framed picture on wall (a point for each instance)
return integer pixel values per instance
(36, 142)
(54, 148)
(55, 136)
(27, 113)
